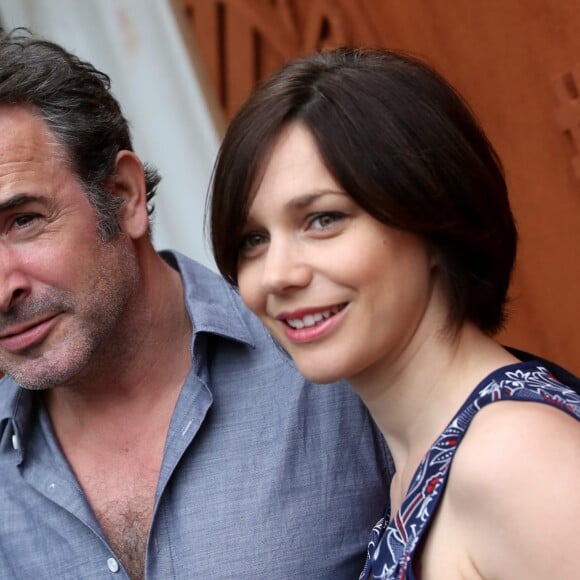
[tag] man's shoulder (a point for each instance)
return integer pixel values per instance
(193, 272)
(213, 304)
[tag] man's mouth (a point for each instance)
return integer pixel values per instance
(26, 335)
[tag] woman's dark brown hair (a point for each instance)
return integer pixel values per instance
(404, 145)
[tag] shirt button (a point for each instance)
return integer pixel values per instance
(113, 565)
(15, 442)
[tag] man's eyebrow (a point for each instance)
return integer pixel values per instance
(22, 199)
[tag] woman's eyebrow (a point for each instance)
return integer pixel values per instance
(307, 199)
(296, 204)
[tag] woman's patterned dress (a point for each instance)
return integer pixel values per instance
(393, 545)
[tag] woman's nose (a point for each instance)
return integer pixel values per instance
(285, 268)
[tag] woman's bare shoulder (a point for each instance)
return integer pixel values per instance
(513, 485)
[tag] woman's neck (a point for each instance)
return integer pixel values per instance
(413, 399)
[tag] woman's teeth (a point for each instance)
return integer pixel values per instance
(312, 319)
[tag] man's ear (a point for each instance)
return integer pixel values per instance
(128, 182)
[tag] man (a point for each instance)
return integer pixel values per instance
(149, 427)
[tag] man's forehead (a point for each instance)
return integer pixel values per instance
(32, 162)
(25, 137)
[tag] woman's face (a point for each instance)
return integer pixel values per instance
(343, 293)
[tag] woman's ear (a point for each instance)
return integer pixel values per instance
(128, 182)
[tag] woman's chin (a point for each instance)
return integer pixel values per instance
(320, 376)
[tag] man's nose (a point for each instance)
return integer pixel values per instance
(14, 285)
(285, 268)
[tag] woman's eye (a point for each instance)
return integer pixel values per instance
(251, 242)
(325, 220)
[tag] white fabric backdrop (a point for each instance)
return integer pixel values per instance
(138, 44)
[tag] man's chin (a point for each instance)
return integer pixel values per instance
(39, 374)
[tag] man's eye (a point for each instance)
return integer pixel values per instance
(23, 220)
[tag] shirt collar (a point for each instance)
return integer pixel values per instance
(213, 305)
(15, 415)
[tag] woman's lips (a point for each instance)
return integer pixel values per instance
(309, 325)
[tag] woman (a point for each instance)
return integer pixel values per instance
(364, 217)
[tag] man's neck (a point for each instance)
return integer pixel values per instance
(112, 425)
(140, 375)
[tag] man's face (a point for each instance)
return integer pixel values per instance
(63, 291)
